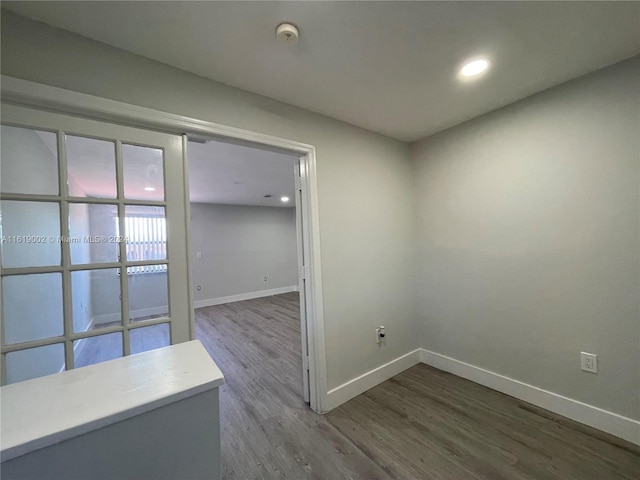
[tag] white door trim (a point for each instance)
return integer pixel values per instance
(26, 93)
(301, 249)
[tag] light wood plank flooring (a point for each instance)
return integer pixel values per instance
(421, 424)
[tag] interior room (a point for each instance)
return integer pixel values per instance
(464, 243)
(245, 268)
(243, 222)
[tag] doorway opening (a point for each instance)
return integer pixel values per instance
(247, 263)
(17, 92)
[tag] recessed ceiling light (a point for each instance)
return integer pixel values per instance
(474, 68)
(149, 189)
(284, 199)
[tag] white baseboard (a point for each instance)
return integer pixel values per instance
(149, 311)
(243, 296)
(609, 422)
(141, 312)
(351, 389)
(78, 345)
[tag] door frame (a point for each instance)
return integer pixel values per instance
(302, 247)
(31, 94)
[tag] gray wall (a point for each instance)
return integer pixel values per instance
(148, 293)
(240, 246)
(148, 296)
(527, 218)
(366, 220)
(26, 151)
(528, 239)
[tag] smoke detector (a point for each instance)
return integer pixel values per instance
(287, 33)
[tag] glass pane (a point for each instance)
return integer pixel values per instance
(93, 229)
(23, 152)
(146, 233)
(96, 299)
(32, 307)
(88, 351)
(91, 166)
(35, 362)
(148, 294)
(149, 338)
(143, 169)
(30, 234)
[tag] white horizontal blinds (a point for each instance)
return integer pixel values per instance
(146, 240)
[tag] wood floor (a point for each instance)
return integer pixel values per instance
(421, 424)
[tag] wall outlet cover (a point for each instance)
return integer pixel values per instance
(589, 362)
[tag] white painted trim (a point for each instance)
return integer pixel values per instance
(609, 422)
(88, 328)
(243, 296)
(351, 389)
(187, 218)
(78, 345)
(26, 93)
(140, 312)
(150, 311)
(107, 318)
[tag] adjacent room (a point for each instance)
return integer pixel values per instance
(335, 240)
(244, 255)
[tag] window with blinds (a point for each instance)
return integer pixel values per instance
(146, 240)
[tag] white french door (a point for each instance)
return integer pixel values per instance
(302, 243)
(94, 254)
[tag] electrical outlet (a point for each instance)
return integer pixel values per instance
(589, 362)
(265, 279)
(199, 287)
(381, 334)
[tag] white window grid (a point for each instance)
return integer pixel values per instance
(64, 200)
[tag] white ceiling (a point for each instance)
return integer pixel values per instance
(231, 174)
(219, 172)
(91, 167)
(386, 66)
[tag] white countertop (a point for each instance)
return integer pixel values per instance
(47, 410)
